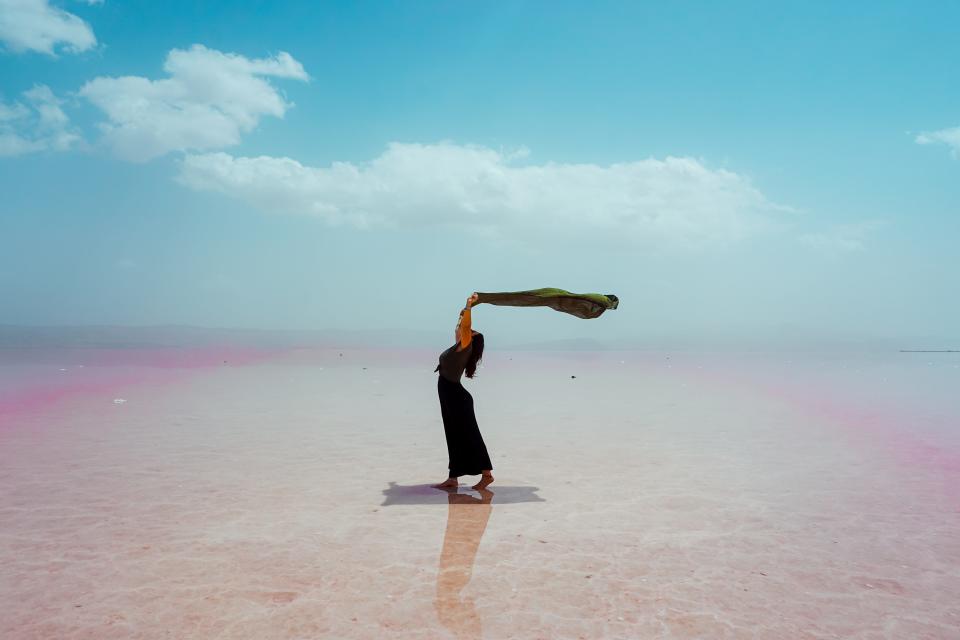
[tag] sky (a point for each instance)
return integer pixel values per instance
(744, 170)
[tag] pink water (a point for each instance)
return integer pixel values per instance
(638, 495)
(34, 379)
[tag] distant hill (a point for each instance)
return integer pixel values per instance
(118, 337)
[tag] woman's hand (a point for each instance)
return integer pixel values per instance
(472, 300)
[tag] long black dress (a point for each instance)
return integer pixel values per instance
(465, 448)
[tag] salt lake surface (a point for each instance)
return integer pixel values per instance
(284, 495)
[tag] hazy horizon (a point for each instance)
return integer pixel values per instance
(12, 336)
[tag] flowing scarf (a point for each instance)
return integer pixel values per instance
(582, 305)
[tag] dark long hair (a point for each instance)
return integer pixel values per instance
(475, 355)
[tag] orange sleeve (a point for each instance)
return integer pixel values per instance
(465, 329)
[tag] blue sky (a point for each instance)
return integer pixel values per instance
(727, 170)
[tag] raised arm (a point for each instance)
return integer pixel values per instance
(466, 331)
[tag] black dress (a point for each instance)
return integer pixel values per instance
(465, 448)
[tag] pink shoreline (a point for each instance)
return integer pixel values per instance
(98, 371)
(882, 425)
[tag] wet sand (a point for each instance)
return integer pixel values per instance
(651, 496)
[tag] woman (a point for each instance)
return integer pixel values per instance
(467, 454)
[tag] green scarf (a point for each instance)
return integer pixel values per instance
(582, 305)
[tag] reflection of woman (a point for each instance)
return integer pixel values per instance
(466, 521)
(465, 448)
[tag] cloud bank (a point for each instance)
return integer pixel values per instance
(949, 137)
(670, 202)
(36, 124)
(33, 25)
(208, 101)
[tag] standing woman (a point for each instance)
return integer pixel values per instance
(465, 448)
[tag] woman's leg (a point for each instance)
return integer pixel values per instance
(443, 391)
(477, 446)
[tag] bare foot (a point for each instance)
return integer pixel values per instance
(485, 480)
(449, 482)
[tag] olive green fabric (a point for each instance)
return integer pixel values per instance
(582, 305)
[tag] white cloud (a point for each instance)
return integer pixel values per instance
(33, 25)
(675, 201)
(841, 238)
(208, 101)
(949, 137)
(15, 111)
(38, 127)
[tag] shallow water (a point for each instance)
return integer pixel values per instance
(673, 495)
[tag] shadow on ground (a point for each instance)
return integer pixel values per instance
(425, 494)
